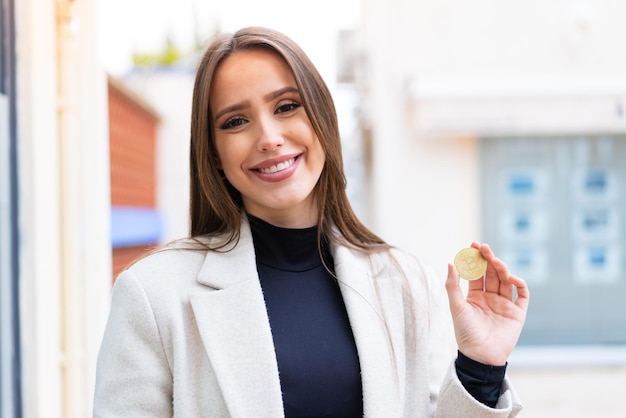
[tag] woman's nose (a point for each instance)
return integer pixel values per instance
(270, 136)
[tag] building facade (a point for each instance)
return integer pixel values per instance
(504, 122)
(55, 279)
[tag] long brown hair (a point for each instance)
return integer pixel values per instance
(215, 205)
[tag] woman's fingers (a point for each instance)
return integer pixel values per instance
(455, 294)
(498, 279)
(523, 294)
(506, 290)
(497, 273)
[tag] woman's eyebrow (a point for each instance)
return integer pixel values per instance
(268, 98)
(231, 108)
(277, 93)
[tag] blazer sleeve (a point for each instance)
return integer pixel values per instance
(133, 378)
(449, 399)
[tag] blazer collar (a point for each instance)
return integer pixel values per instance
(235, 331)
(357, 276)
(234, 264)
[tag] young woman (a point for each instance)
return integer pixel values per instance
(281, 303)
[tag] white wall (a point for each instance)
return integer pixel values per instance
(462, 43)
(64, 251)
(40, 252)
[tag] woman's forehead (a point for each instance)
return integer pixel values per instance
(250, 72)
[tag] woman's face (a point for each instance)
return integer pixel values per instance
(266, 145)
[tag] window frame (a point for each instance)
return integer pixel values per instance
(10, 347)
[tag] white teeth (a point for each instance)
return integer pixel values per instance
(277, 167)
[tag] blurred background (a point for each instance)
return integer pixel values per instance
(494, 120)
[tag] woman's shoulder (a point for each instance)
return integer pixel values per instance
(159, 284)
(176, 261)
(389, 261)
(402, 264)
(397, 258)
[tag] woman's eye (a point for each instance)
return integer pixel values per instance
(234, 122)
(288, 107)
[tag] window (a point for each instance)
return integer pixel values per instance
(555, 210)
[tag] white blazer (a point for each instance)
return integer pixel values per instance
(188, 336)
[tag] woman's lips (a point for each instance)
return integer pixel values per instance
(276, 169)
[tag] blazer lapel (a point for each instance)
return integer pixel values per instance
(234, 327)
(379, 378)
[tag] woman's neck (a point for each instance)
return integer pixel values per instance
(288, 218)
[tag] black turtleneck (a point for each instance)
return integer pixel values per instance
(317, 357)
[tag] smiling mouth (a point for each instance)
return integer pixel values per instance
(278, 167)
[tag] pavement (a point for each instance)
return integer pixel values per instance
(572, 392)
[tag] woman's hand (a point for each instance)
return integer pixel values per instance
(488, 323)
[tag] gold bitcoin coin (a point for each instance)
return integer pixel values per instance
(470, 264)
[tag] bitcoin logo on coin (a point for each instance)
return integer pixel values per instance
(470, 264)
